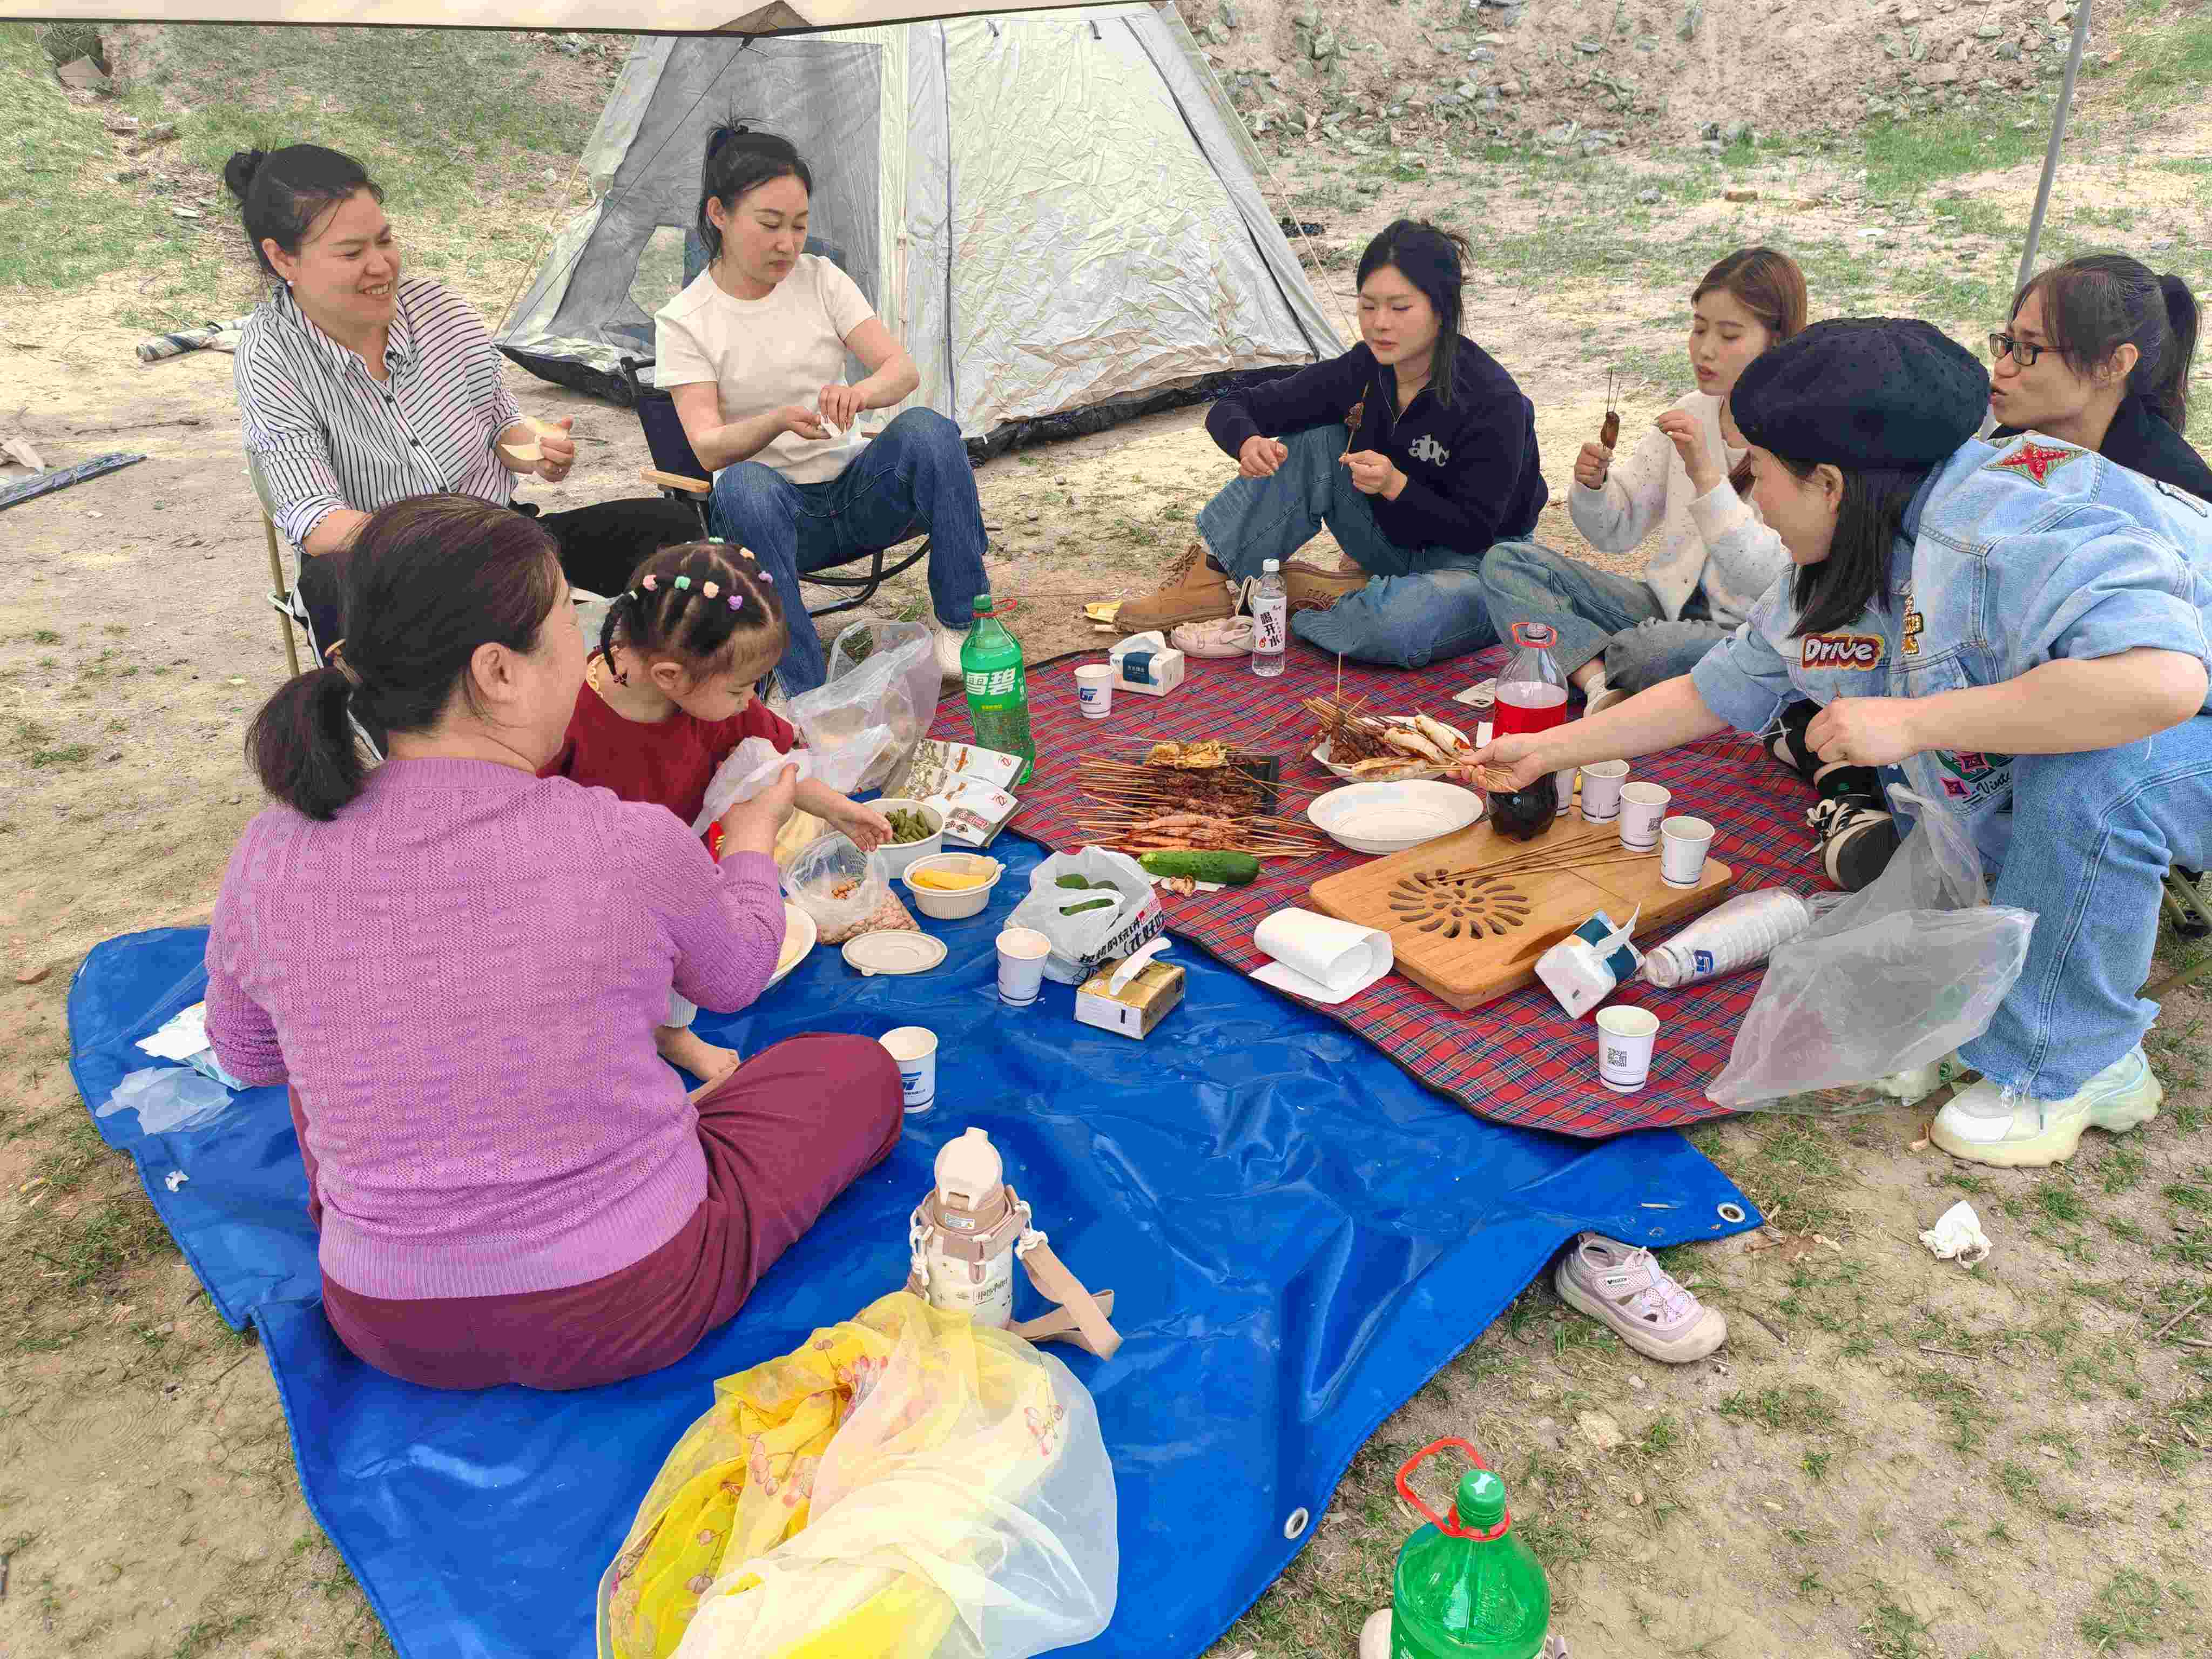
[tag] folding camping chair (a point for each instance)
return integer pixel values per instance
(679, 475)
(284, 597)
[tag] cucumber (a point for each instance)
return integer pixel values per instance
(1230, 869)
(1073, 884)
(1094, 904)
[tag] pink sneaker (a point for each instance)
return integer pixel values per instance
(1627, 1290)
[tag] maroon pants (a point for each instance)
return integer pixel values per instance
(791, 1129)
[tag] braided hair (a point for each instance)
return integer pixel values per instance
(700, 604)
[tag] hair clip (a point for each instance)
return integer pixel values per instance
(650, 584)
(710, 589)
(682, 582)
(737, 602)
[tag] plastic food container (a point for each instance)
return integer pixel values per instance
(965, 901)
(893, 857)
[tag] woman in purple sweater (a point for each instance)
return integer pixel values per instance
(458, 967)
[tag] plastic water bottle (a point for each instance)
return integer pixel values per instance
(1466, 1586)
(1271, 621)
(998, 690)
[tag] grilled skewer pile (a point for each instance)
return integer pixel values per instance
(1197, 801)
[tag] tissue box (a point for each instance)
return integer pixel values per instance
(1144, 662)
(1137, 1006)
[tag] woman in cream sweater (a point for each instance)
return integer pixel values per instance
(1682, 492)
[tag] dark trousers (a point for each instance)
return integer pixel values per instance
(601, 546)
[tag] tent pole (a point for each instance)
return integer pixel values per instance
(2057, 143)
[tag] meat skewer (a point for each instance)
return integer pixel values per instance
(1609, 433)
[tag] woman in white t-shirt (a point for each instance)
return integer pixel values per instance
(1684, 488)
(753, 352)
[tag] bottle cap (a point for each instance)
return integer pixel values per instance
(982, 605)
(1481, 1503)
(1269, 566)
(968, 1168)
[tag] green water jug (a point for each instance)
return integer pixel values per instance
(998, 690)
(1466, 1586)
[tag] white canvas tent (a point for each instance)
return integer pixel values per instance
(1056, 211)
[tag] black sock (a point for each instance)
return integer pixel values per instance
(1216, 565)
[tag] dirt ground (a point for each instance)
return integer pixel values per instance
(1893, 1456)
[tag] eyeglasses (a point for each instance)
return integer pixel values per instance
(2001, 345)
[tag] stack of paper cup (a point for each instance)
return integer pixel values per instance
(1625, 1036)
(1682, 846)
(1601, 784)
(1022, 951)
(1642, 807)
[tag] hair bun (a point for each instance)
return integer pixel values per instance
(240, 171)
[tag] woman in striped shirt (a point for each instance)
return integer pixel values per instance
(358, 387)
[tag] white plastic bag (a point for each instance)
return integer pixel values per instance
(756, 763)
(881, 674)
(1891, 978)
(844, 889)
(168, 1097)
(1080, 942)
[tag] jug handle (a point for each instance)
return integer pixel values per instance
(1452, 1526)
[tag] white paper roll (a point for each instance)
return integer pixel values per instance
(1319, 958)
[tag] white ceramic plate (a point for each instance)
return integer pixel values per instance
(1415, 766)
(799, 935)
(1389, 817)
(895, 951)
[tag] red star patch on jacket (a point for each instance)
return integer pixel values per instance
(2035, 461)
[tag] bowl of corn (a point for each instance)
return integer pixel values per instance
(951, 885)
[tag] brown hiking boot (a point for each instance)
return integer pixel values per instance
(1192, 593)
(1311, 588)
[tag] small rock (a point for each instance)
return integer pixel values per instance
(1590, 48)
(1711, 130)
(1687, 30)
(33, 975)
(2008, 52)
(1646, 197)
(1637, 1383)
(186, 212)
(1989, 32)
(1509, 88)
(1482, 55)
(1467, 88)
(1908, 16)
(1988, 85)
(1599, 1430)
(2051, 1452)
(1449, 100)
(1636, 1499)
(1230, 16)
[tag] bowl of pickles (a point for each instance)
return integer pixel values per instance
(917, 830)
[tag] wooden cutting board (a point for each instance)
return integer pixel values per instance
(1471, 937)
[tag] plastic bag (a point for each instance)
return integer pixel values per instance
(881, 674)
(907, 1484)
(168, 1097)
(1083, 940)
(1889, 980)
(845, 890)
(756, 762)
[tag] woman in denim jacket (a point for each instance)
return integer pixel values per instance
(2032, 617)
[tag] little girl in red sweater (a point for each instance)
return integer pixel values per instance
(666, 698)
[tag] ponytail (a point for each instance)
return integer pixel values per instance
(303, 747)
(2169, 393)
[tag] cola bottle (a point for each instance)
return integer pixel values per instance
(1532, 696)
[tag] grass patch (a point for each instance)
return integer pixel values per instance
(74, 754)
(2167, 56)
(1903, 158)
(108, 1236)
(2131, 1610)
(1892, 1630)
(1799, 1408)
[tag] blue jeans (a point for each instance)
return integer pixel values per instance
(1595, 612)
(912, 479)
(2092, 836)
(1422, 607)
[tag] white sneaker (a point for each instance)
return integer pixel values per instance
(949, 641)
(1604, 699)
(1989, 1124)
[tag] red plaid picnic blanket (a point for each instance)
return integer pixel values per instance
(1518, 1059)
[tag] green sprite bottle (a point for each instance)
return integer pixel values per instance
(998, 690)
(1466, 1586)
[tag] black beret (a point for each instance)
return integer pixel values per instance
(1864, 391)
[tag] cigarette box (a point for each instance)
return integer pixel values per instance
(1137, 1006)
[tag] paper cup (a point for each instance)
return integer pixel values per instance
(1563, 783)
(1682, 846)
(914, 1048)
(1625, 1036)
(1602, 783)
(1094, 689)
(1022, 951)
(1642, 807)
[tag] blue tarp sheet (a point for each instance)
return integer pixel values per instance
(1299, 1237)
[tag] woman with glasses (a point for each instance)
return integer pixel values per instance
(2097, 353)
